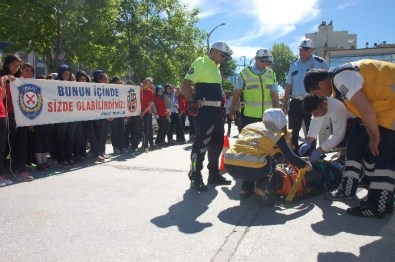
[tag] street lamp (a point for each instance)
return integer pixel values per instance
(209, 34)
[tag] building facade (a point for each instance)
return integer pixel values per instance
(338, 47)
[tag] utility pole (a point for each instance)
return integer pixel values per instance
(209, 34)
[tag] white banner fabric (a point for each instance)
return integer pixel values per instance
(38, 102)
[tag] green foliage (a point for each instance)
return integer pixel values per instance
(283, 57)
(138, 38)
(227, 85)
(228, 68)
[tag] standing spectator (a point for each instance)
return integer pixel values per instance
(180, 134)
(91, 130)
(102, 125)
(65, 132)
(258, 86)
(118, 128)
(153, 112)
(182, 109)
(4, 180)
(162, 115)
(174, 116)
(17, 136)
(39, 137)
(147, 100)
(204, 74)
(80, 138)
(366, 87)
(295, 89)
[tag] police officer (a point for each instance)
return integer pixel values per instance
(295, 90)
(366, 87)
(257, 85)
(204, 74)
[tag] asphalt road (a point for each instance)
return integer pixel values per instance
(141, 209)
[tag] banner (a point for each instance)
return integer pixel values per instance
(38, 102)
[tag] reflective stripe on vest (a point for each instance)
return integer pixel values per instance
(256, 93)
(252, 147)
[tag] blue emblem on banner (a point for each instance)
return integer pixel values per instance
(30, 100)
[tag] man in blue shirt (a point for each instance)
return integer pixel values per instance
(295, 90)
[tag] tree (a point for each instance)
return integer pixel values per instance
(159, 39)
(283, 57)
(141, 38)
(227, 85)
(60, 31)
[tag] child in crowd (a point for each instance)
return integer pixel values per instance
(17, 136)
(39, 137)
(163, 114)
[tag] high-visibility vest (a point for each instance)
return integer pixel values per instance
(254, 144)
(256, 92)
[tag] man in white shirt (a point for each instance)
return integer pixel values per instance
(321, 108)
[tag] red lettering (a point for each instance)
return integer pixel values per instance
(50, 109)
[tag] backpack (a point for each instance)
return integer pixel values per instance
(324, 176)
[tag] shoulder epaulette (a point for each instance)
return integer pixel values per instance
(319, 59)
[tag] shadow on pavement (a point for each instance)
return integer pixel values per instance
(184, 214)
(336, 220)
(251, 213)
(380, 250)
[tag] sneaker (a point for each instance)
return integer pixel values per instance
(182, 141)
(64, 164)
(72, 163)
(198, 185)
(116, 151)
(337, 195)
(124, 151)
(2, 183)
(146, 150)
(25, 177)
(364, 211)
(41, 167)
(47, 166)
(218, 180)
(105, 156)
(89, 155)
(5, 180)
(100, 159)
(389, 210)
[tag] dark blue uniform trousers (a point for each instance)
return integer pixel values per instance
(209, 124)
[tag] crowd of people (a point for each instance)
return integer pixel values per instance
(23, 149)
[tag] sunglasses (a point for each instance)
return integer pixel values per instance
(263, 60)
(223, 54)
(305, 48)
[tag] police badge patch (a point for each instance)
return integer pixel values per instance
(30, 100)
(190, 71)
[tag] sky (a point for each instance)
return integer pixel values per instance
(254, 24)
